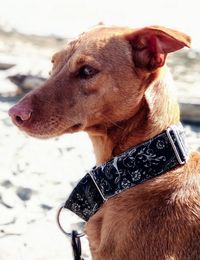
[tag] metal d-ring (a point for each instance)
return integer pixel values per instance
(61, 228)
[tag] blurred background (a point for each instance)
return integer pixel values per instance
(36, 176)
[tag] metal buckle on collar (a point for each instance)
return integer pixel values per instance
(177, 144)
(99, 190)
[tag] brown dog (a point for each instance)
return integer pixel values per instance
(112, 83)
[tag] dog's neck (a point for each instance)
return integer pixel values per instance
(158, 109)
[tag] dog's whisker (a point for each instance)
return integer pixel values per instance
(113, 123)
(73, 121)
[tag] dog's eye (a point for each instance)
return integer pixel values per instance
(87, 72)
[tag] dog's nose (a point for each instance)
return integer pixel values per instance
(19, 114)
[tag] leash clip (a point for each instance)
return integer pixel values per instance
(68, 234)
(76, 245)
(74, 235)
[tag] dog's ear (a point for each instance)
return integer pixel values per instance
(152, 44)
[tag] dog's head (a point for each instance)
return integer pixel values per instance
(98, 79)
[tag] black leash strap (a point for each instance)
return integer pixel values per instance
(76, 245)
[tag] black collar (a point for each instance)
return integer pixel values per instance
(140, 163)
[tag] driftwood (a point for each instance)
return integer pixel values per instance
(190, 110)
(26, 82)
(6, 66)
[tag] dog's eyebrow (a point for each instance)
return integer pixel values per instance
(75, 63)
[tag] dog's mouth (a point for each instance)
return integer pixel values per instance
(47, 130)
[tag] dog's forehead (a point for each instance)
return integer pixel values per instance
(105, 32)
(96, 37)
(92, 42)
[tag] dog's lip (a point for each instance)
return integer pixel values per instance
(34, 133)
(30, 128)
(40, 134)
